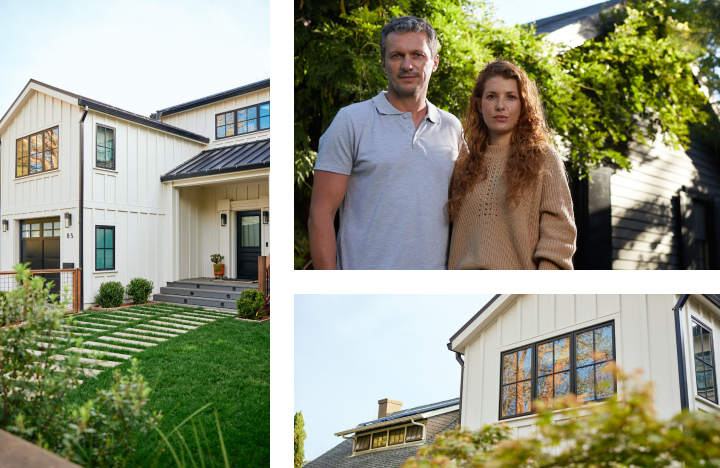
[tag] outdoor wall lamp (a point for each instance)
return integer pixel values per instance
(68, 220)
(266, 217)
(5, 225)
(223, 219)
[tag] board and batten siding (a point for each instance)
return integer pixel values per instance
(645, 219)
(707, 314)
(644, 339)
(201, 120)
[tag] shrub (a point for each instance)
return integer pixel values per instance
(250, 302)
(139, 289)
(110, 294)
(216, 258)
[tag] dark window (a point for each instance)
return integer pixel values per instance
(37, 153)
(704, 362)
(246, 120)
(264, 116)
(104, 248)
(579, 363)
(362, 443)
(397, 436)
(225, 125)
(413, 433)
(105, 150)
(379, 439)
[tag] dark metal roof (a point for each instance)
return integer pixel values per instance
(411, 411)
(213, 98)
(553, 23)
(714, 298)
(240, 157)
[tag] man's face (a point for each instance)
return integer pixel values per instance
(408, 64)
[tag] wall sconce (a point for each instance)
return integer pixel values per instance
(266, 217)
(5, 225)
(223, 219)
(68, 220)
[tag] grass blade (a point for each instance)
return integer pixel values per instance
(167, 442)
(197, 441)
(222, 442)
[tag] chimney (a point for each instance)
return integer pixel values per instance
(387, 406)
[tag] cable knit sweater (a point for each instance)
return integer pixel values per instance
(538, 233)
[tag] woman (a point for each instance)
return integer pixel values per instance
(510, 204)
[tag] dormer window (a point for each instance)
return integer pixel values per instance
(241, 121)
(389, 437)
(362, 443)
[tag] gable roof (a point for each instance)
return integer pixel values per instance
(96, 106)
(258, 85)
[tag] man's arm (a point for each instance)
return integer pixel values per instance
(328, 192)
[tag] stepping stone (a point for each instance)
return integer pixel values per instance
(108, 345)
(95, 351)
(139, 336)
(96, 324)
(112, 321)
(120, 317)
(196, 318)
(200, 314)
(183, 321)
(135, 314)
(122, 340)
(83, 360)
(174, 324)
(152, 332)
(42, 344)
(161, 328)
(86, 328)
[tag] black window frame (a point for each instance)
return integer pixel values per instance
(114, 268)
(42, 152)
(573, 366)
(114, 130)
(235, 116)
(712, 357)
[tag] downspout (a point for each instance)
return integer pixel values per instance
(82, 194)
(462, 373)
(423, 426)
(682, 372)
(351, 438)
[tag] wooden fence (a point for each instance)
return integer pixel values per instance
(60, 278)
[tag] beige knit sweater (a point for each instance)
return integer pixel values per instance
(538, 233)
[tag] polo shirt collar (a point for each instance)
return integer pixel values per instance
(384, 107)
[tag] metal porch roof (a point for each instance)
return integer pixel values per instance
(235, 158)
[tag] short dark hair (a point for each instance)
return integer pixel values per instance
(406, 24)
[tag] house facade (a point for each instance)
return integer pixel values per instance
(392, 438)
(87, 185)
(522, 348)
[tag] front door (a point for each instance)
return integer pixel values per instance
(248, 244)
(40, 246)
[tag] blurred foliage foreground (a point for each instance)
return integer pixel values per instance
(637, 80)
(615, 433)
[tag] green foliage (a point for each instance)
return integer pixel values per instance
(110, 294)
(299, 440)
(619, 433)
(139, 289)
(216, 258)
(631, 82)
(250, 302)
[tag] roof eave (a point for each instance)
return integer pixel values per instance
(172, 177)
(479, 321)
(392, 422)
(215, 98)
(34, 85)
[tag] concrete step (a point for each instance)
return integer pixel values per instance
(227, 304)
(211, 293)
(224, 286)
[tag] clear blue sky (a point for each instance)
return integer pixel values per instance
(353, 350)
(524, 11)
(139, 55)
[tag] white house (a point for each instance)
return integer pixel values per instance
(520, 348)
(86, 185)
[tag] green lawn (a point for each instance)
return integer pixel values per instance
(226, 363)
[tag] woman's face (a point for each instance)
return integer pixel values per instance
(500, 107)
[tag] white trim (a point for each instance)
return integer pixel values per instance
(387, 430)
(26, 94)
(218, 178)
(244, 205)
(483, 321)
(94, 145)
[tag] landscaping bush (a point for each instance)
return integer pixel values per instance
(110, 294)
(250, 302)
(139, 289)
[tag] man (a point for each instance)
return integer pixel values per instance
(386, 163)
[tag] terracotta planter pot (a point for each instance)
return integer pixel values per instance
(219, 270)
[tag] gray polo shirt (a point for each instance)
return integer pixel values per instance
(394, 214)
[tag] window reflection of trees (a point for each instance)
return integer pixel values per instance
(517, 378)
(705, 377)
(594, 356)
(37, 153)
(553, 370)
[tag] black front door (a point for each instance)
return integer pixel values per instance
(248, 244)
(40, 246)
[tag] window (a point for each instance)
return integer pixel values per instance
(246, 120)
(397, 436)
(105, 148)
(414, 432)
(37, 153)
(362, 443)
(704, 362)
(104, 248)
(578, 363)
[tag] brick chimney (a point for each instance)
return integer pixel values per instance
(387, 406)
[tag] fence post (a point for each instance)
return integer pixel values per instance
(262, 271)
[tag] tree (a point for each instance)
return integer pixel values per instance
(299, 440)
(618, 432)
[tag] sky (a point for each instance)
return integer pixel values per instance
(525, 11)
(353, 350)
(138, 55)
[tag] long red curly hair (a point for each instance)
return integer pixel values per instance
(529, 143)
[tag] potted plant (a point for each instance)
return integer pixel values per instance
(219, 267)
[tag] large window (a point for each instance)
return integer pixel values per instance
(104, 248)
(105, 147)
(704, 362)
(579, 363)
(37, 153)
(246, 120)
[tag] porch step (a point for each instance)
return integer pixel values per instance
(225, 286)
(228, 304)
(201, 292)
